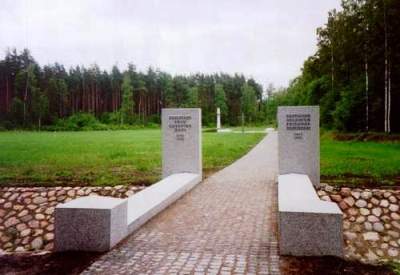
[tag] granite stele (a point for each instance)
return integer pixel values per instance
(96, 223)
(308, 226)
(298, 133)
(218, 118)
(181, 141)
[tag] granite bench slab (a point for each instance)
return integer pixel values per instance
(96, 223)
(150, 201)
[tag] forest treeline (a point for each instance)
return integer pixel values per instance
(354, 77)
(355, 74)
(32, 96)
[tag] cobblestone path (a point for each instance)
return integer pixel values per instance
(226, 225)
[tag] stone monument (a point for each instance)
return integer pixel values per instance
(181, 141)
(298, 139)
(308, 226)
(96, 223)
(218, 119)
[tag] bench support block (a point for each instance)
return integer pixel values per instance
(308, 226)
(310, 234)
(91, 223)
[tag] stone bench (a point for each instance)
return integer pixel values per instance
(308, 226)
(96, 223)
(150, 201)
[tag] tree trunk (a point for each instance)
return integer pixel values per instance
(332, 68)
(59, 105)
(112, 100)
(140, 104)
(83, 94)
(158, 104)
(366, 94)
(389, 97)
(26, 95)
(366, 79)
(93, 99)
(386, 68)
(7, 95)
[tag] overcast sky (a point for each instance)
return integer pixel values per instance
(268, 40)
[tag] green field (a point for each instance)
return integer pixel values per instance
(102, 157)
(355, 162)
(134, 157)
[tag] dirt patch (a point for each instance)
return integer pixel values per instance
(349, 180)
(208, 172)
(377, 137)
(68, 263)
(329, 266)
(76, 182)
(49, 263)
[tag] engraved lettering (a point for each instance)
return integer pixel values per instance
(180, 124)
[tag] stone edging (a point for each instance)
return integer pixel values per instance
(371, 222)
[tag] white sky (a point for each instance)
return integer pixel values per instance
(268, 40)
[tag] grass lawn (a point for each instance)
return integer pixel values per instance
(249, 128)
(354, 162)
(102, 157)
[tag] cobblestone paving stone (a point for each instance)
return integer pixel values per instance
(226, 225)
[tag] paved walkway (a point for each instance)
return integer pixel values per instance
(226, 225)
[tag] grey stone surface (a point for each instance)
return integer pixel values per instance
(98, 223)
(298, 141)
(181, 141)
(218, 118)
(307, 225)
(149, 202)
(297, 194)
(91, 223)
(310, 234)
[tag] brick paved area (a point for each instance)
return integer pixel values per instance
(226, 225)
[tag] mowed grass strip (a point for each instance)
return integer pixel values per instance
(359, 162)
(102, 157)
